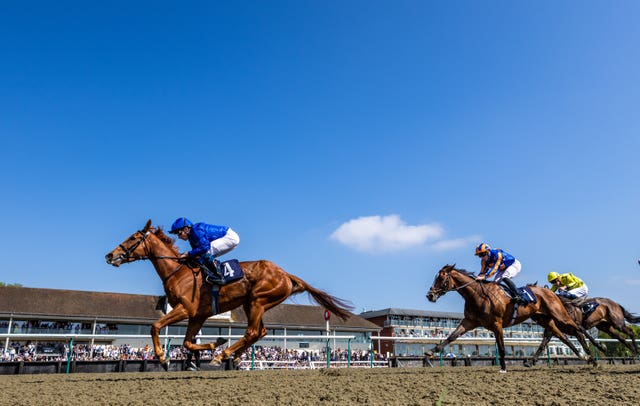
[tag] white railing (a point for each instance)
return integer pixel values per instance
(300, 364)
(352, 364)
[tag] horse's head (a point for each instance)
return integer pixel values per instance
(442, 283)
(131, 249)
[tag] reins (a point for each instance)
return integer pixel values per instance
(455, 288)
(128, 255)
(465, 285)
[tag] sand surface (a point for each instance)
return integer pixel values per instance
(541, 385)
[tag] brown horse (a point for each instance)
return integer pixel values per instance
(608, 317)
(486, 305)
(263, 286)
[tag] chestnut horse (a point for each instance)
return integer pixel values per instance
(486, 305)
(263, 286)
(608, 317)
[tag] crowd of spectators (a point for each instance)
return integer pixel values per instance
(292, 358)
(61, 327)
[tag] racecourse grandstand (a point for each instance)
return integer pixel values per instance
(46, 318)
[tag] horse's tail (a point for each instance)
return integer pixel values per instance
(339, 307)
(631, 318)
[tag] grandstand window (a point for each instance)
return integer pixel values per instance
(132, 329)
(213, 331)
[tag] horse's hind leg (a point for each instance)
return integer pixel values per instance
(255, 331)
(630, 333)
(237, 357)
(609, 329)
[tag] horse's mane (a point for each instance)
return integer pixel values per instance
(168, 241)
(462, 271)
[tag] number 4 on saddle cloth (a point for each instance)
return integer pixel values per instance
(226, 272)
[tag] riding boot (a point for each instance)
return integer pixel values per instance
(512, 287)
(212, 269)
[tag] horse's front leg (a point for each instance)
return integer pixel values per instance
(195, 324)
(499, 334)
(177, 314)
(464, 326)
(596, 343)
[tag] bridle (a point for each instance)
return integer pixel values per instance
(128, 254)
(441, 291)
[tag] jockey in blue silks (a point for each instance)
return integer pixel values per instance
(501, 264)
(207, 241)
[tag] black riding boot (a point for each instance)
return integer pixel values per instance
(512, 287)
(212, 269)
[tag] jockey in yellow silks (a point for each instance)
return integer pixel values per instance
(568, 285)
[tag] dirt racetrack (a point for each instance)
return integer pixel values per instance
(559, 385)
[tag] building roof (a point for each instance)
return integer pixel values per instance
(416, 313)
(410, 312)
(122, 307)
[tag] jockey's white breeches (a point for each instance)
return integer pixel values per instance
(510, 272)
(581, 291)
(224, 244)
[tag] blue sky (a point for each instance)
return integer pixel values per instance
(360, 145)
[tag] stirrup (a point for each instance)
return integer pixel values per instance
(213, 279)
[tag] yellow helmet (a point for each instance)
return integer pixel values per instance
(553, 276)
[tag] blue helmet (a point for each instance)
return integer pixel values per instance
(179, 224)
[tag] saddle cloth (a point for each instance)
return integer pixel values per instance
(525, 292)
(231, 271)
(527, 295)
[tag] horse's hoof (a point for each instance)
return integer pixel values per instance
(216, 362)
(527, 364)
(236, 363)
(165, 365)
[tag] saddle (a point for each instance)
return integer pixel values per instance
(585, 304)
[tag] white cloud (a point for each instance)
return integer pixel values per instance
(384, 234)
(445, 245)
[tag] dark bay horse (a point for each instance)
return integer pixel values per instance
(486, 305)
(263, 286)
(608, 317)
